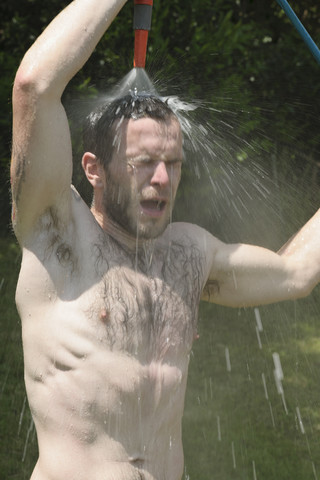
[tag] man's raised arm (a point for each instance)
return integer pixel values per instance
(246, 275)
(41, 167)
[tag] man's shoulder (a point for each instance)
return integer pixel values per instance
(190, 247)
(198, 241)
(185, 230)
(186, 234)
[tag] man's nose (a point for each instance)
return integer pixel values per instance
(160, 175)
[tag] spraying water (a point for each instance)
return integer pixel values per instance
(213, 164)
(136, 81)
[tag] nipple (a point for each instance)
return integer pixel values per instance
(104, 315)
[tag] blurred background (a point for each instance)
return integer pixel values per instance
(252, 174)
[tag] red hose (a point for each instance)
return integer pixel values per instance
(140, 48)
(142, 25)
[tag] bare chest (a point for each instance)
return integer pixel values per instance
(145, 305)
(141, 315)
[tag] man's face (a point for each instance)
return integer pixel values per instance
(143, 176)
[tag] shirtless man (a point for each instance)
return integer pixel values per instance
(108, 297)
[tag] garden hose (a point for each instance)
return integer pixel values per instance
(302, 31)
(141, 25)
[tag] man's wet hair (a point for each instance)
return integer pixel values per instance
(100, 128)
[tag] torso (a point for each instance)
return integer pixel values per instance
(107, 336)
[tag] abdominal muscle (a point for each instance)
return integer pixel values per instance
(105, 415)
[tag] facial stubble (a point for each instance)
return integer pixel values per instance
(124, 210)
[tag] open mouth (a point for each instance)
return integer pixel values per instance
(153, 207)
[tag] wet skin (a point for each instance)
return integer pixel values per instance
(140, 184)
(107, 326)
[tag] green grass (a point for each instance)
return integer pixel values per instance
(255, 431)
(15, 418)
(251, 438)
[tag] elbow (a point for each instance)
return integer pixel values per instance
(304, 287)
(26, 84)
(30, 81)
(308, 289)
(303, 291)
(304, 276)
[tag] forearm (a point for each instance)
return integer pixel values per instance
(304, 249)
(66, 44)
(308, 235)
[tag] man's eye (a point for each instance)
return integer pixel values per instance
(141, 162)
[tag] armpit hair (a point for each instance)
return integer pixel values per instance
(55, 244)
(211, 289)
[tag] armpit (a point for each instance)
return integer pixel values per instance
(56, 241)
(210, 291)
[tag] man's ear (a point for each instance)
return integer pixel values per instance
(93, 169)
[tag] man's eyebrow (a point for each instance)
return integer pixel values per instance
(147, 158)
(139, 158)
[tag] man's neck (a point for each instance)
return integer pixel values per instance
(118, 233)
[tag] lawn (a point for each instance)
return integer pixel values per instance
(239, 423)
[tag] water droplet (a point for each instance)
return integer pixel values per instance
(219, 428)
(258, 319)
(233, 456)
(227, 354)
(27, 440)
(265, 386)
(300, 423)
(254, 470)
